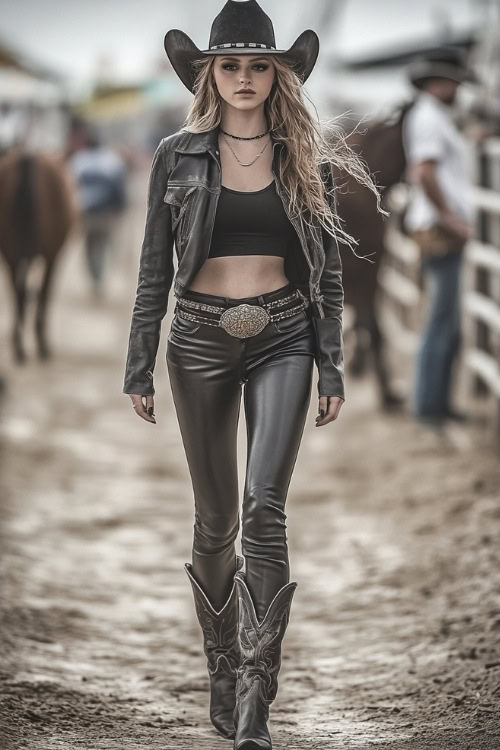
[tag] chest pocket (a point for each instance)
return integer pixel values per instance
(180, 199)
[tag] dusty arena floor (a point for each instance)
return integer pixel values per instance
(394, 536)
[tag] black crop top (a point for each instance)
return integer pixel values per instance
(251, 223)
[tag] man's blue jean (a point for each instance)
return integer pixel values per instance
(441, 338)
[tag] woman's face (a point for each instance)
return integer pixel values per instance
(232, 74)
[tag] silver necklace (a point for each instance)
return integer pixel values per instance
(236, 156)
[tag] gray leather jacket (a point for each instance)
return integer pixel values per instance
(184, 188)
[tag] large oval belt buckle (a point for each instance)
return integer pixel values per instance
(244, 320)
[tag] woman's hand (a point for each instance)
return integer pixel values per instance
(330, 406)
(144, 406)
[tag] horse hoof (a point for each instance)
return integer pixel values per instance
(391, 401)
(44, 354)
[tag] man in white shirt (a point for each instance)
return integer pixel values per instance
(439, 219)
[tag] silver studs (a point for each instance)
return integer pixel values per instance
(242, 44)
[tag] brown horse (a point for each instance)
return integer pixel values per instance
(37, 210)
(381, 146)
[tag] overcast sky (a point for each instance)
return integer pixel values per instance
(69, 35)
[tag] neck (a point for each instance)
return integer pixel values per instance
(435, 95)
(244, 123)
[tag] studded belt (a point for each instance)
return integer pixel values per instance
(242, 320)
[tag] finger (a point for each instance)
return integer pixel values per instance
(136, 400)
(334, 406)
(150, 405)
(141, 412)
(139, 404)
(323, 406)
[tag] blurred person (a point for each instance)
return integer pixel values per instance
(439, 220)
(77, 132)
(100, 175)
(245, 191)
(13, 125)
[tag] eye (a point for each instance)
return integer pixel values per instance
(229, 66)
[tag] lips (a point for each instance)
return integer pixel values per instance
(246, 91)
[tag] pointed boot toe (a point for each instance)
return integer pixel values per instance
(222, 697)
(251, 718)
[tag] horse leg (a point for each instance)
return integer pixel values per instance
(390, 400)
(41, 311)
(358, 359)
(18, 275)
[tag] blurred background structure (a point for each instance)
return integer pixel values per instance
(394, 530)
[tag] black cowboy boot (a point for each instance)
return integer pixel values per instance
(257, 683)
(221, 647)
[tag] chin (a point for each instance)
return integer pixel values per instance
(245, 105)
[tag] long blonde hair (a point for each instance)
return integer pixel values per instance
(312, 148)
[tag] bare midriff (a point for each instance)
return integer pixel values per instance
(240, 276)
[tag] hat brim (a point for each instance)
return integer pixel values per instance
(183, 52)
(421, 71)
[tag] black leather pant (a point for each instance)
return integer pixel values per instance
(207, 368)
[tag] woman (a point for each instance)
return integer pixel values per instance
(245, 189)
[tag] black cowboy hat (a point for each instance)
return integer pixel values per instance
(241, 27)
(445, 62)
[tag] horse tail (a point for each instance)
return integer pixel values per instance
(24, 214)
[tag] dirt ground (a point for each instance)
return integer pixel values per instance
(394, 536)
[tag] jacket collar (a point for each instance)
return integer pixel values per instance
(208, 140)
(197, 143)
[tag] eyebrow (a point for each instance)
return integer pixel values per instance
(229, 57)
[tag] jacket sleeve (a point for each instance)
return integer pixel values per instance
(329, 329)
(156, 272)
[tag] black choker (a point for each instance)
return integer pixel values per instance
(243, 138)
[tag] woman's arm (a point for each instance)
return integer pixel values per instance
(156, 272)
(328, 330)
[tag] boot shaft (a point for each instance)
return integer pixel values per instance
(260, 642)
(220, 628)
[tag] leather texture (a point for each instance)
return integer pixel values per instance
(257, 677)
(184, 188)
(221, 647)
(208, 369)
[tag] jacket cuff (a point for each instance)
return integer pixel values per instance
(329, 356)
(143, 348)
